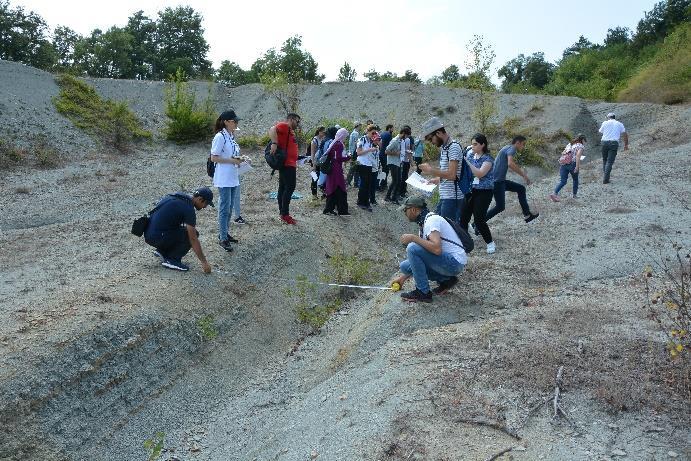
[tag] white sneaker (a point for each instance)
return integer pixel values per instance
(491, 248)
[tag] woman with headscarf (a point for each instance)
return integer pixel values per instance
(336, 196)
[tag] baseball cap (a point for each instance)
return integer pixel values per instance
(205, 193)
(611, 115)
(229, 115)
(415, 201)
(430, 126)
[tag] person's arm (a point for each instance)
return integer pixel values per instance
(313, 150)
(449, 174)
(232, 160)
(274, 139)
(518, 170)
(578, 153)
(479, 172)
(432, 244)
(625, 135)
(197, 247)
(362, 151)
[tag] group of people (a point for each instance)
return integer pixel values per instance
(468, 178)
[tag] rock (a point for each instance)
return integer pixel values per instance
(618, 452)
(519, 448)
(672, 454)
(314, 454)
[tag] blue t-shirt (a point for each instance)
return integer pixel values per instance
(386, 138)
(173, 211)
(501, 163)
(487, 181)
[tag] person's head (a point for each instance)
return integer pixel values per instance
(228, 120)
(357, 125)
(518, 142)
(369, 122)
(479, 144)
(331, 132)
(433, 131)
(293, 120)
(580, 138)
(413, 206)
(202, 197)
(372, 132)
(320, 132)
(341, 134)
(389, 128)
(611, 115)
(405, 132)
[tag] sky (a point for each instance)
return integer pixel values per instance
(425, 36)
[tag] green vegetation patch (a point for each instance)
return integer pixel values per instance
(111, 121)
(41, 153)
(188, 121)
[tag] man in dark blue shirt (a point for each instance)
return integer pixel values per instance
(172, 231)
(386, 137)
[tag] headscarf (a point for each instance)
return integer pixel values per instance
(341, 134)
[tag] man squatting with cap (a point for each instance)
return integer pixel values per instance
(172, 231)
(611, 130)
(436, 253)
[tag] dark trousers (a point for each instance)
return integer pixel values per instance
(313, 185)
(392, 193)
(500, 189)
(363, 194)
(609, 154)
(418, 161)
(286, 187)
(353, 174)
(385, 169)
(476, 205)
(373, 187)
(337, 200)
(173, 244)
(405, 171)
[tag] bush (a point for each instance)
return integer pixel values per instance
(44, 155)
(113, 122)
(430, 152)
(252, 141)
(10, 155)
(187, 121)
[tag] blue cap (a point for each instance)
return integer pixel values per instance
(206, 194)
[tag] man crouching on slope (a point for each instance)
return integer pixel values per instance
(435, 254)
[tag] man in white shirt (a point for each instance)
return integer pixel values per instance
(611, 130)
(436, 253)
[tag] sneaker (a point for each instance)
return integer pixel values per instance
(530, 217)
(477, 232)
(491, 248)
(225, 244)
(417, 296)
(231, 239)
(239, 220)
(175, 264)
(285, 219)
(331, 213)
(158, 254)
(290, 220)
(554, 197)
(344, 214)
(445, 286)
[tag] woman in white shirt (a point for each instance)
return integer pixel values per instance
(225, 152)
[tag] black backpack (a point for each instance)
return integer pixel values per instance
(276, 160)
(210, 167)
(467, 242)
(325, 164)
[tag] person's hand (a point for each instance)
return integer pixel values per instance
(528, 181)
(575, 170)
(274, 146)
(425, 167)
(407, 238)
(400, 280)
(374, 149)
(206, 267)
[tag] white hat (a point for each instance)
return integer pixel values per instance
(610, 115)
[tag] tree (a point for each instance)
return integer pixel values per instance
(479, 63)
(231, 74)
(526, 74)
(347, 73)
(64, 42)
(23, 37)
(410, 76)
(105, 54)
(450, 74)
(287, 94)
(180, 42)
(659, 22)
(372, 75)
(617, 36)
(143, 56)
(295, 64)
(578, 47)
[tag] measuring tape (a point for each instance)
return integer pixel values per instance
(395, 286)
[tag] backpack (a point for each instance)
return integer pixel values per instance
(210, 167)
(464, 178)
(276, 160)
(140, 224)
(467, 242)
(323, 147)
(566, 157)
(325, 164)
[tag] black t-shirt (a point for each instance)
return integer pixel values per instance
(173, 211)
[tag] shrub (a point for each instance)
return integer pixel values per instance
(187, 121)
(46, 155)
(252, 141)
(113, 122)
(10, 155)
(430, 152)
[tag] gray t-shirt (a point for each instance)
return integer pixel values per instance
(501, 163)
(450, 151)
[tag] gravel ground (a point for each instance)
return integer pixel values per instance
(100, 348)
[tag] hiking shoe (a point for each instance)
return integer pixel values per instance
(239, 220)
(158, 254)
(530, 217)
(175, 264)
(477, 232)
(344, 214)
(491, 248)
(225, 244)
(231, 239)
(445, 286)
(417, 296)
(332, 213)
(554, 198)
(289, 219)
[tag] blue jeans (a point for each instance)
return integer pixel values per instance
(236, 203)
(564, 172)
(425, 266)
(450, 208)
(500, 189)
(226, 200)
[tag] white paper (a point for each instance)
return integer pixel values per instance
(302, 161)
(314, 175)
(381, 175)
(582, 157)
(418, 182)
(244, 167)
